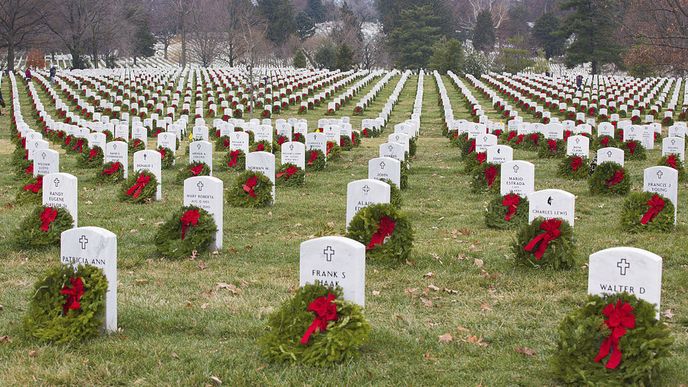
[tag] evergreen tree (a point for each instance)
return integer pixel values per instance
(513, 57)
(447, 54)
(484, 32)
(390, 13)
(316, 10)
(547, 35)
(299, 60)
(305, 27)
(325, 57)
(411, 41)
(593, 24)
(345, 57)
(279, 15)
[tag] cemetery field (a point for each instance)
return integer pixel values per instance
(458, 312)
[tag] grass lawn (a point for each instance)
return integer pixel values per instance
(179, 327)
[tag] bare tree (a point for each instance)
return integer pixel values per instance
(236, 10)
(467, 11)
(72, 22)
(164, 24)
(20, 24)
(182, 10)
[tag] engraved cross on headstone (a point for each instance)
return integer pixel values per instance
(366, 189)
(56, 182)
(83, 241)
(329, 253)
(200, 186)
(623, 265)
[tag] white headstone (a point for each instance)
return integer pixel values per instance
(150, 160)
(293, 152)
(364, 192)
(201, 151)
(674, 145)
(483, 141)
(499, 154)
(263, 162)
(317, 141)
(612, 154)
(334, 261)
(394, 150)
(552, 203)
(46, 161)
(206, 192)
(97, 247)
(385, 168)
(61, 190)
(118, 151)
(660, 180)
(517, 176)
(578, 146)
(239, 141)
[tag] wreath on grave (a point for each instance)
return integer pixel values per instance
(277, 143)
(508, 211)
(486, 178)
(251, 189)
(136, 145)
(334, 152)
(261, 146)
(413, 147)
(386, 232)
(551, 148)
(42, 227)
(222, 142)
(196, 168)
(31, 191)
(139, 187)
(394, 194)
(316, 327)
(166, 157)
(508, 137)
(298, 137)
(235, 160)
(634, 150)
(467, 147)
(604, 142)
(647, 211)
(613, 339)
(187, 230)
(609, 178)
(91, 157)
(345, 143)
(20, 157)
(673, 161)
(315, 160)
(289, 175)
(546, 242)
(473, 161)
(574, 167)
(532, 141)
(68, 305)
(112, 172)
(356, 137)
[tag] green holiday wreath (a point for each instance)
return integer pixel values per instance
(187, 230)
(289, 175)
(473, 161)
(532, 141)
(545, 243)
(356, 137)
(394, 194)
(405, 168)
(486, 178)
(90, 157)
(235, 160)
(340, 331)
(551, 148)
(136, 145)
(43, 227)
(315, 160)
(634, 150)
(467, 147)
(166, 157)
(345, 143)
(196, 168)
(222, 143)
(505, 212)
(574, 167)
(413, 147)
(647, 211)
(604, 142)
(334, 152)
(261, 146)
(31, 191)
(112, 172)
(609, 178)
(674, 161)
(385, 231)
(140, 187)
(644, 342)
(251, 189)
(68, 305)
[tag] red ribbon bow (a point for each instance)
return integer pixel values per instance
(197, 169)
(313, 156)
(552, 144)
(511, 135)
(616, 179)
(225, 143)
(48, 216)
(92, 153)
(325, 311)
(233, 157)
(29, 169)
(260, 147)
(481, 157)
(671, 161)
(576, 162)
(511, 202)
(162, 152)
(604, 141)
(490, 175)
(251, 182)
(535, 138)
(73, 294)
(290, 171)
(281, 140)
(141, 182)
(189, 218)
(384, 229)
(656, 204)
(551, 232)
(631, 146)
(471, 146)
(114, 167)
(519, 138)
(620, 317)
(34, 187)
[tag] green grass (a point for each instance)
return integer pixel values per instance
(177, 327)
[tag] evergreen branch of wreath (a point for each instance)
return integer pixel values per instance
(168, 239)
